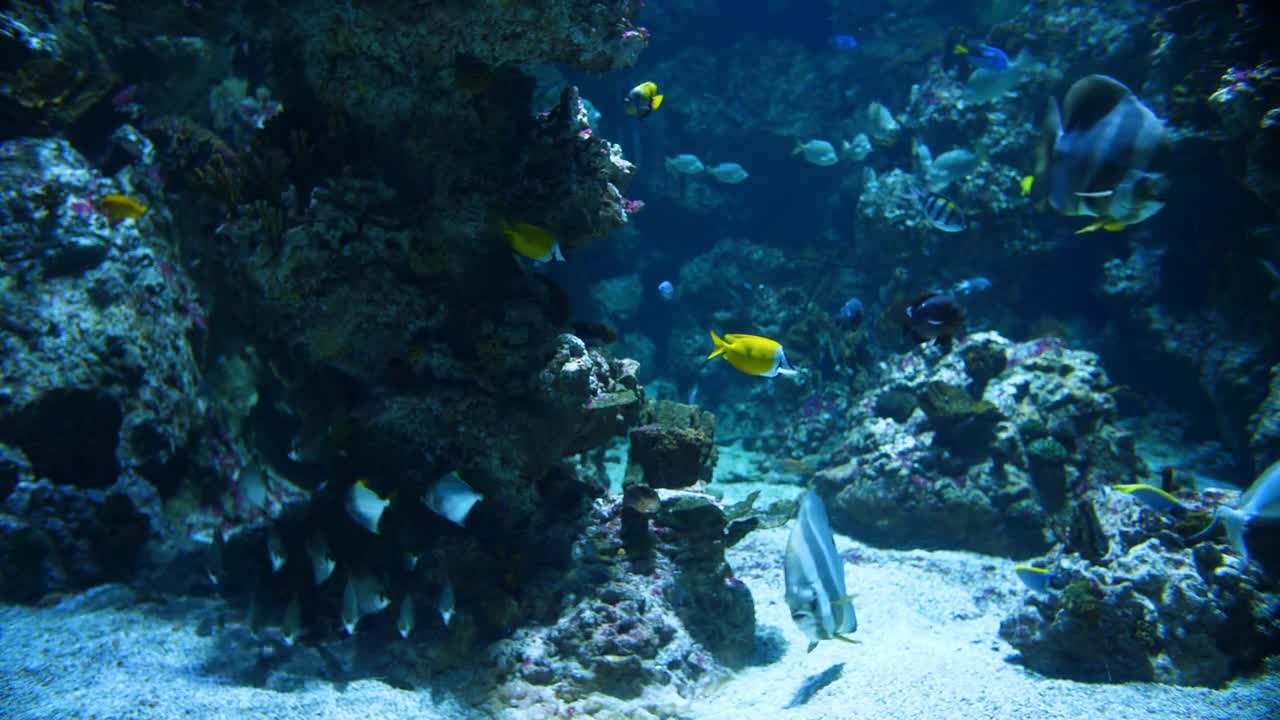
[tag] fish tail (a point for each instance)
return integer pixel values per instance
(1235, 521)
(720, 345)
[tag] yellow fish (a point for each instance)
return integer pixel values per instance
(119, 207)
(643, 99)
(1108, 224)
(532, 241)
(1026, 183)
(752, 354)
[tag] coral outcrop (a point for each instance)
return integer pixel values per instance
(1148, 609)
(979, 449)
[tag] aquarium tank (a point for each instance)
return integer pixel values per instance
(639, 359)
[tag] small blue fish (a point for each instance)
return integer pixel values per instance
(842, 41)
(666, 290)
(971, 285)
(1153, 497)
(1035, 578)
(851, 312)
(987, 57)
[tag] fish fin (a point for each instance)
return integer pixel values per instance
(1114, 226)
(1026, 184)
(656, 102)
(1091, 227)
(1050, 130)
(1235, 522)
(1099, 194)
(843, 601)
(1090, 99)
(960, 50)
(849, 640)
(720, 345)
(812, 644)
(555, 252)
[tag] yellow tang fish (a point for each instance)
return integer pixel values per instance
(643, 99)
(752, 354)
(119, 207)
(532, 241)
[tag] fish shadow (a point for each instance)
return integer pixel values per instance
(768, 646)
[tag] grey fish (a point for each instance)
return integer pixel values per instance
(813, 684)
(814, 574)
(1105, 155)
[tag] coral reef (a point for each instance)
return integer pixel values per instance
(979, 449)
(99, 375)
(653, 605)
(1148, 609)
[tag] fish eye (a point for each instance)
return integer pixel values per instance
(799, 615)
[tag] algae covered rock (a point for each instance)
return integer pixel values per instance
(990, 461)
(675, 449)
(1156, 614)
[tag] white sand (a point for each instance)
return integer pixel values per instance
(928, 649)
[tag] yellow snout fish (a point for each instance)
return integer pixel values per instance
(120, 207)
(643, 99)
(532, 241)
(752, 354)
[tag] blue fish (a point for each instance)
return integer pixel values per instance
(971, 285)
(851, 312)
(666, 289)
(844, 42)
(988, 57)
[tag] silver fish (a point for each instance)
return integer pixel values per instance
(292, 626)
(350, 607)
(445, 605)
(452, 498)
(1261, 500)
(814, 573)
(405, 621)
(1105, 154)
(276, 552)
(322, 562)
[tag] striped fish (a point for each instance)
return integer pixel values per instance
(1105, 154)
(814, 576)
(940, 212)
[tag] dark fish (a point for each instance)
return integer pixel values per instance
(814, 576)
(813, 684)
(1105, 155)
(595, 332)
(935, 315)
(851, 313)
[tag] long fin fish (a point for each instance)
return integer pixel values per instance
(814, 576)
(1261, 500)
(1104, 155)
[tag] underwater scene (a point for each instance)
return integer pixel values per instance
(639, 359)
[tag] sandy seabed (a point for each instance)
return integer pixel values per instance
(927, 649)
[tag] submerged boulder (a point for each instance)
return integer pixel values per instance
(981, 449)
